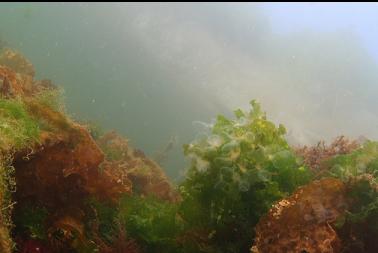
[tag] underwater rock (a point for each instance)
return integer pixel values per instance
(303, 221)
(13, 84)
(16, 61)
(60, 173)
(16, 128)
(57, 169)
(62, 169)
(17, 76)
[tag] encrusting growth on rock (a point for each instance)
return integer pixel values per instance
(59, 169)
(301, 223)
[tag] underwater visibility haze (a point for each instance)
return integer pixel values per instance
(188, 127)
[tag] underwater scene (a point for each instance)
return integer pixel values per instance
(188, 127)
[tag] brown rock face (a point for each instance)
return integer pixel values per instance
(303, 222)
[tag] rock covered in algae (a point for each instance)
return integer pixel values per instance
(57, 168)
(16, 129)
(17, 62)
(303, 221)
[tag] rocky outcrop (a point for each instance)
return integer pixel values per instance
(60, 169)
(303, 221)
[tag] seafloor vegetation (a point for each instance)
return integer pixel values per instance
(70, 187)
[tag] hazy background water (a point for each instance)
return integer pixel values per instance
(152, 71)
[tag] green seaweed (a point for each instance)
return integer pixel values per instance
(31, 220)
(106, 215)
(152, 222)
(358, 227)
(237, 173)
(52, 98)
(95, 130)
(364, 160)
(112, 153)
(17, 128)
(17, 131)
